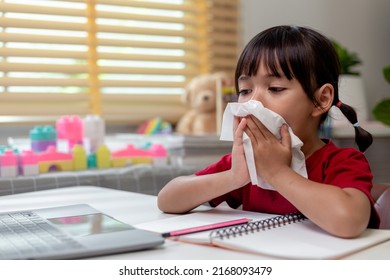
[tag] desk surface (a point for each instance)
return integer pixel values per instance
(135, 208)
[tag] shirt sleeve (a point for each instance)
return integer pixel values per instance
(349, 168)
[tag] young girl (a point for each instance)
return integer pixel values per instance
(294, 72)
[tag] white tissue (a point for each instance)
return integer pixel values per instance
(273, 122)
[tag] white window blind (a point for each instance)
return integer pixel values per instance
(125, 60)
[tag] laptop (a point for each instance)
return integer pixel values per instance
(69, 232)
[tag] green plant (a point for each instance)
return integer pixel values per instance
(382, 110)
(348, 59)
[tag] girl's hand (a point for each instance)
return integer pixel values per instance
(270, 154)
(239, 169)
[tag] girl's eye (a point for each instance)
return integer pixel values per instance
(244, 91)
(276, 89)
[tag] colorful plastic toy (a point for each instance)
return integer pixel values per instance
(103, 157)
(70, 131)
(51, 160)
(132, 155)
(84, 148)
(28, 163)
(155, 126)
(159, 154)
(128, 156)
(94, 132)
(42, 137)
(79, 158)
(8, 164)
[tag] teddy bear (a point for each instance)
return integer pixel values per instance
(201, 96)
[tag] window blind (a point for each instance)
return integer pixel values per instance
(126, 60)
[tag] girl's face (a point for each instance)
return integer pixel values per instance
(285, 97)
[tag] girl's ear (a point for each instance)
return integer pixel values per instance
(324, 99)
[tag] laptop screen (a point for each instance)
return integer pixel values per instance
(83, 225)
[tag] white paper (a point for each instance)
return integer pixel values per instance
(273, 122)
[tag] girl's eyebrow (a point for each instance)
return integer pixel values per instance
(243, 78)
(266, 76)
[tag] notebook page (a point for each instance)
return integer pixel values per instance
(301, 240)
(221, 213)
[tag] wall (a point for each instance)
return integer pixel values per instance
(362, 26)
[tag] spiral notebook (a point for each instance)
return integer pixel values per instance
(279, 236)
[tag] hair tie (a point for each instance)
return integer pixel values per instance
(356, 124)
(338, 104)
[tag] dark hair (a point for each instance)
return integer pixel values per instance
(305, 55)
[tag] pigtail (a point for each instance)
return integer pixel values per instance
(362, 137)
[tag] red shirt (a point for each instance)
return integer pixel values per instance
(341, 167)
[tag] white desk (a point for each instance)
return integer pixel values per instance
(135, 208)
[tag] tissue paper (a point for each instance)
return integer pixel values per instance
(273, 122)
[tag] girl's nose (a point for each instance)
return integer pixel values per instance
(256, 95)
